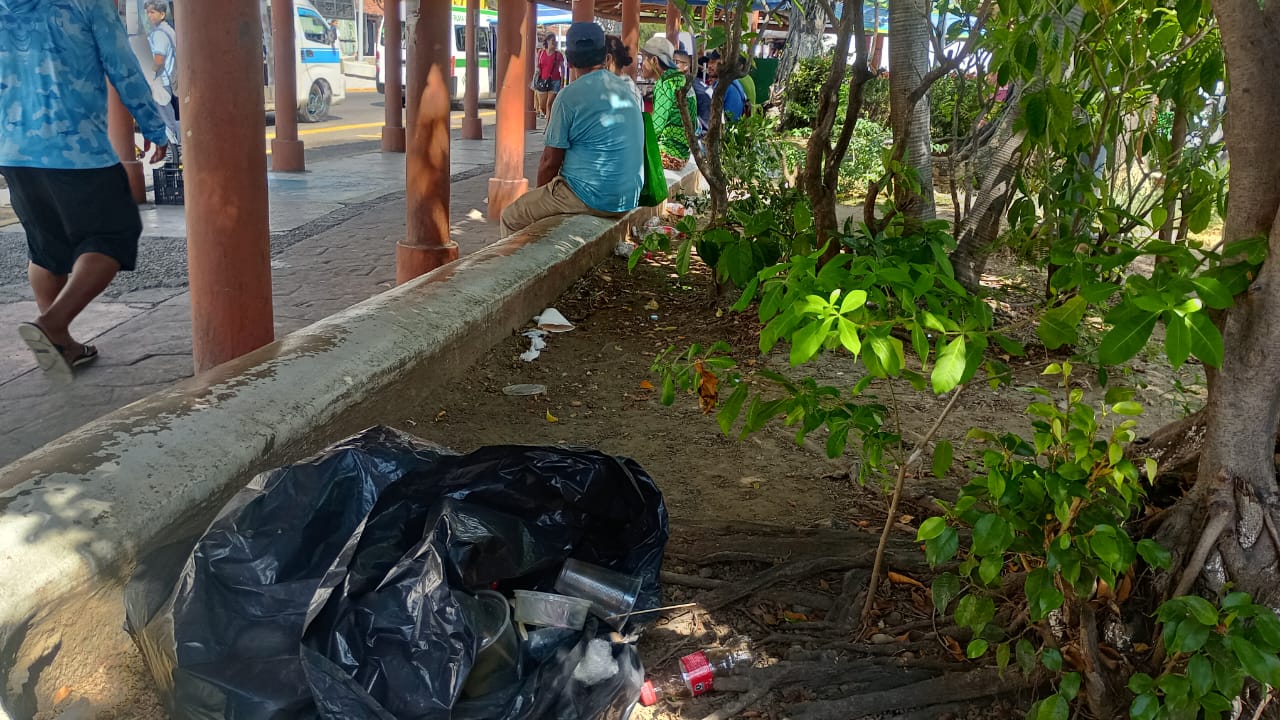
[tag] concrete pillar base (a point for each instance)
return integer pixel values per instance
(137, 181)
(413, 261)
(472, 129)
(393, 139)
(504, 192)
(287, 156)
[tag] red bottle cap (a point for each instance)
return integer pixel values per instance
(647, 695)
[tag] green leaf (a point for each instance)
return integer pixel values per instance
(1054, 707)
(1002, 656)
(668, 390)
(949, 369)
(1010, 345)
(1213, 292)
(1052, 660)
(975, 612)
(1155, 555)
(849, 336)
(930, 529)
(1202, 610)
(1144, 707)
(1070, 686)
(1127, 337)
(1267, 628)
(1260, 666)
(1206, 341)
(1141, 683)
(1026, 655)
(942, 548)
(1177, 339)
(1105, 546)
(1058, 326)
(989, 569)
(853, 300)
(732, 408)
(991, 535)
(945, 589)
(977, 648)
(1200, 673)
(1188, 15)
(1043, 596)
(1158, 217)
(808, 340)
(1188, 637)
(888, 351)
(943, 455)
(1128, 407)
(1036, 114)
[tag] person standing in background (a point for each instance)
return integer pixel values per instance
(617, 59)
(164, 50)
(550, 76)
(68, 188)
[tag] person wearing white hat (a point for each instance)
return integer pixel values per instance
(669, 86)
(593, 156)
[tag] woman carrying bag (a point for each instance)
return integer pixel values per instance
(549, 77)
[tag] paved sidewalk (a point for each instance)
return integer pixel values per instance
(334, 233)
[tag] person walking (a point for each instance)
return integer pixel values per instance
(67, 185)
(550, 76)
(164, 49)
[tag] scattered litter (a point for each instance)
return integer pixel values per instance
(624, 248)
(677, 210)
(552, 321)
(552, 418)
(524, 390)
(651, 305)
(537, 343)
(653, 318)
(597, 664)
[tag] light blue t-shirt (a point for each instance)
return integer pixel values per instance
(597, 123)
(164, 43)
(55, 58)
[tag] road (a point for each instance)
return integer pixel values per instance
(357, 121)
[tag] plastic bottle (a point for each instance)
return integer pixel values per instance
(698, 673)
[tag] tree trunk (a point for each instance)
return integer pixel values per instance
(999, 170)
(908, 62)
(804, 40)
(1225, 528)
(1177, 143)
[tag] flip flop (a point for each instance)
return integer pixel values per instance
(48, 354)
(88, 354)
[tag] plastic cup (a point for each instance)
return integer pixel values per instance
(548, 610)
(496, 664)
(612, 594)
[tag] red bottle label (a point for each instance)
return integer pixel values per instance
(698, 673)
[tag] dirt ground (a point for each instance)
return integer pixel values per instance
(600, 393)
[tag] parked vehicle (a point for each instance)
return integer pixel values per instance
(321, 83)
(486, 43)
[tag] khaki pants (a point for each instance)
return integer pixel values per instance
(554, 198)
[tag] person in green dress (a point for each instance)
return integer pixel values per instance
(669, 87)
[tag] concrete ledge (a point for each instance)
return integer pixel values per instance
(76, 514)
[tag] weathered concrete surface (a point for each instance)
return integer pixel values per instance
(77, 513)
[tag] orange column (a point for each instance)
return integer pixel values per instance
(286, 148)
(530, 67)
(509, 181)
(631, 30)
(427, 244)
(228, 236)
(393, 139)
(673, 26)
(584, 10)
(755, 21)
(120, 129)
(471, 127)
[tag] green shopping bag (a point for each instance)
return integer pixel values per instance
(654, 190)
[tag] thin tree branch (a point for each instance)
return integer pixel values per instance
(897, 495)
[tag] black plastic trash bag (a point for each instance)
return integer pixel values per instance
(338, 587)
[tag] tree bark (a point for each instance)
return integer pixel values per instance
(977, 234)
(909, 42)
(804, 40)
(1225, 528)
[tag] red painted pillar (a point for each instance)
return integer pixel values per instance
(393, 137)
(673, 27)
(228, 235)
(471, 127)
(755, 21)
(427, 244)
(509, 182)
(631, 31)
(286, 149)
(530, 66)
(584, 10)
(120, 129)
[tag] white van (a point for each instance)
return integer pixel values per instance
(321, 83)
(486, 45)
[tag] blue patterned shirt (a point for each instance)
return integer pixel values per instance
(55, 59)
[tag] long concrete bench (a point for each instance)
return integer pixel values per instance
(76, 515)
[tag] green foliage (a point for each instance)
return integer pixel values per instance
(865, 161)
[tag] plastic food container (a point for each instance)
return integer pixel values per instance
(496, 663)
(612, 594)
(548, 610)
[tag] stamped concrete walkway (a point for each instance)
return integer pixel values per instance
(334, 232)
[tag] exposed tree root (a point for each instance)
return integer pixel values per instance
(1212, 531)
(789, 571)
(948, 689)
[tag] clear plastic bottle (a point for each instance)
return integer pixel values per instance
(698, 673)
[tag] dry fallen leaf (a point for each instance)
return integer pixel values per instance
(708, 388)
(552, 418)
(900, 579)
(63, 693)
(646, 385)
(794, 616)
(440, 416)
(651, 305)
(954, 647)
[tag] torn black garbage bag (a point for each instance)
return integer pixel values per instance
(338, 587)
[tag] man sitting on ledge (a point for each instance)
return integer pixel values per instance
(592, 163)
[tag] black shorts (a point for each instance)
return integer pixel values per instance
(67, 213)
